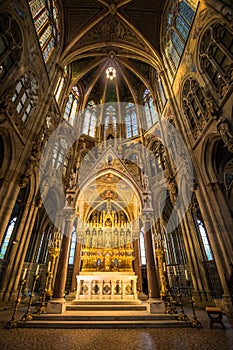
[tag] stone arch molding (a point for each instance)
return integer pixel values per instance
(166, 132)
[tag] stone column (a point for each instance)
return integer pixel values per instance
(57, 304)
(155, 304)
(77, 258)
(213, 205)
(137, 265)
(18, 252)
(152, 277)
(194, 254)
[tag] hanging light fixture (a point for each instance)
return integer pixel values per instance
(110, 73)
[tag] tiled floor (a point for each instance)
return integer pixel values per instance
(118, 339)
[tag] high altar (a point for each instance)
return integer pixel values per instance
(107, 261)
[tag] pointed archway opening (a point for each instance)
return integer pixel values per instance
(108, 210)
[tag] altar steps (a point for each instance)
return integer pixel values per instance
(101, 319)
(104, 324)
(100, 305)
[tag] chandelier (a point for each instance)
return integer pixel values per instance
(110, 73)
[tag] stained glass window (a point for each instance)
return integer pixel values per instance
(186, 12)
(179, 20)
(25, 95)
(131, 120)
(110, 117)
(150, 111)
(45, 17)
(205, 240)
(182, 27)
(89, 120)
(72, 246)
(59, 88)
(7, 238)
(142, 249)
(72, 106)
(60, 154)
(178, 44)
(161, 91)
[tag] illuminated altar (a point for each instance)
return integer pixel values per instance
(107, 258)
(107, 286)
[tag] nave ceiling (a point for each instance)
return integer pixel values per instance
(122, 34)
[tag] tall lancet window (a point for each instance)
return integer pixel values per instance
(25, 96)
(89, 121)
(60, 157)
(45, 17)
(72, 106)
(60, 87)
(72, 246)
(142, 248)
(179, 21)
(161, 91)
(131, 122)
(150, 111)
(110, 119)
(205, 241)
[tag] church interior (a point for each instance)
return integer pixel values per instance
(116, 154)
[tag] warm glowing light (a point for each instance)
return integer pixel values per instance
(110, 73)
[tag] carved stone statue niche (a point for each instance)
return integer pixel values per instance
(226, 133)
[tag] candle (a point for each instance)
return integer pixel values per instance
(164, 266)
(37, 269)
(174, 269)
(186, 275)
(24, 273)
(49, 265)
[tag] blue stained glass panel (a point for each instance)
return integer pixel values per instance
(72, 246)
(7, 238)
(179, 45)
(186, 11)
(128, 126)
(182, 27)
(174, 55)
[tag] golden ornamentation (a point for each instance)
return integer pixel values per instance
(107, 259)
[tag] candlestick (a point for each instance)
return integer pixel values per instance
(174, 269)
(182, 316)
(43, 309)
(13, 321)
(164, 266)
(195, 322)
(28, 315)
(37, 269)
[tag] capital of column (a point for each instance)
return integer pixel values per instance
(69, 213)
(147, 215)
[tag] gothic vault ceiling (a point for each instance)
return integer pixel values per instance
(124, 34)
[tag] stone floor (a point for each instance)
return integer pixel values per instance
(118, 339)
